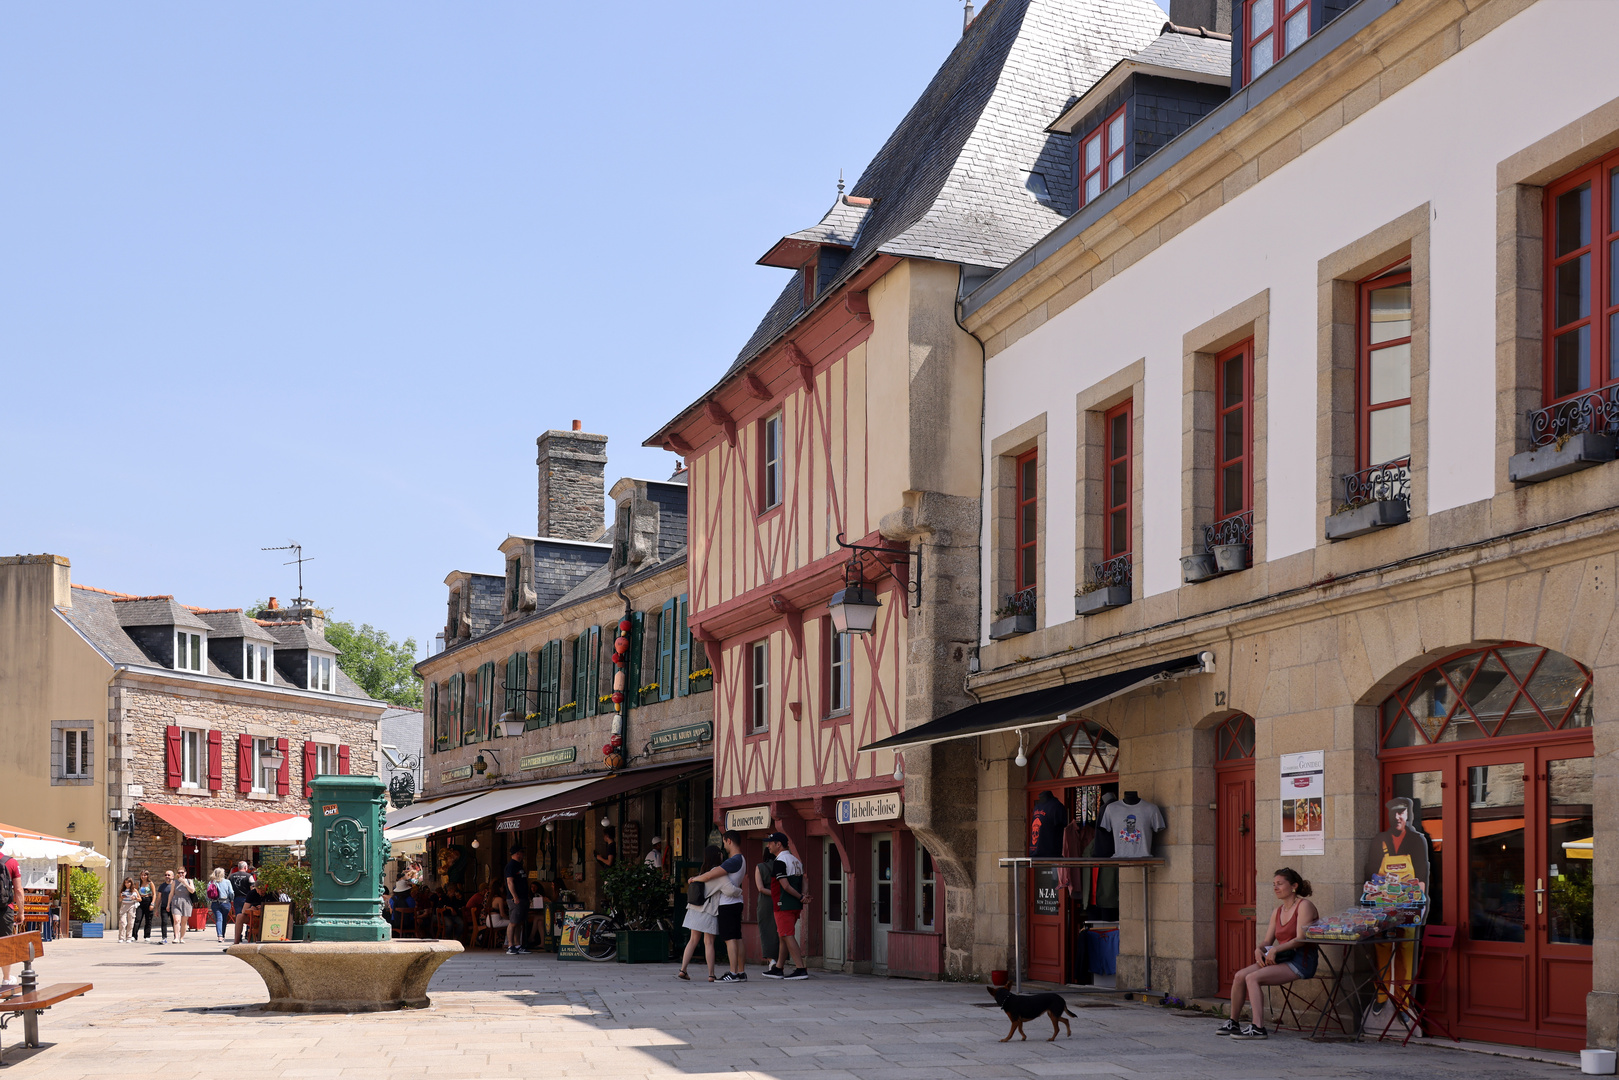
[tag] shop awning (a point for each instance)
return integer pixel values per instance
(210, 822)
(1037, 706)
(293, 830)
(423, 807)
(487, 804)
(573, 803)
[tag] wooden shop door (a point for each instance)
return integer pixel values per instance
(1235, 870)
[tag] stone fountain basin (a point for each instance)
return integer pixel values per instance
(346, 976)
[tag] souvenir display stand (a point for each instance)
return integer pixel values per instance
(1021, 864)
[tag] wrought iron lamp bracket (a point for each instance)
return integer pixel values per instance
(854, 572)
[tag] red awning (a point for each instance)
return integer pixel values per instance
(571, 803)
(211, 823)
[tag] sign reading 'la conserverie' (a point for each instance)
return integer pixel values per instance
(751, 817)
(870, 808)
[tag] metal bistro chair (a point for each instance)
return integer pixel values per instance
(1437, 943)
(1296, 999)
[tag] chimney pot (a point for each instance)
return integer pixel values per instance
(578, 425)
(572, 465)
(272, 605)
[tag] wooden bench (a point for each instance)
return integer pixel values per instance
(31, 999)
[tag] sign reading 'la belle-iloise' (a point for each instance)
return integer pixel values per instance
(870, 808)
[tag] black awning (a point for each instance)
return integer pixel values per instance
(573, 802)
(1036, 707)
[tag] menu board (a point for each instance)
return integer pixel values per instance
(570, 946)
(276, 923)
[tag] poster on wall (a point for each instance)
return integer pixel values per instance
(1303, 796)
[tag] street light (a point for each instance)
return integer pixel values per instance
(511, 725)
(492, 768)
(854, 607)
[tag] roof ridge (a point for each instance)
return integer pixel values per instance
(1194, 31)
(123, 597)
(210, 610)
(108, 592)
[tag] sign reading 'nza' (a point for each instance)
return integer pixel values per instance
(684, 735)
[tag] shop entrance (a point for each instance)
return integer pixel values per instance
(833, 904)
(1493, 747)
(1235, 872)
(1072, 915)
(882, 898)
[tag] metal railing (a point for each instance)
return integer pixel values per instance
(1022, 602)
(1379, 483)
(1596, 411)
(1236, 529)
(1110, 572)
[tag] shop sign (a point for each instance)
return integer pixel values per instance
(411, 847)
(508, 825)
(549, 757)
(870, 808)
(450, 776)
(1046, 901)
(1303, 803)
(686, 735)
(754, 817)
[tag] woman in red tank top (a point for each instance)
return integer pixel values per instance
(1282, 957)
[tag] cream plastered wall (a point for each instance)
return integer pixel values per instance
(1446, 132)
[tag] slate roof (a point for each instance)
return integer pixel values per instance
(234, 624)
(952, 181)
(1188, 50)
(156, 611)
(297, 635)
(402, 730)
(839, 225)
(95, 614)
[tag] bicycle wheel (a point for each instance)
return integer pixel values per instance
(598, 937)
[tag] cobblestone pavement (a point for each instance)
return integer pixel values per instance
(174, 1012)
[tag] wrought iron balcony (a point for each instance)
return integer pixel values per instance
(1021, 602)
(1236, 529)
(1112, 572)
(1388, 482)
(1595, 413)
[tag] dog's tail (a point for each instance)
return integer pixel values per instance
(1066, 1011)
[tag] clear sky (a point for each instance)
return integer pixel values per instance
(323, 272)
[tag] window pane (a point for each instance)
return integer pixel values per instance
(1571, 362)
(1232, 380)
(1570, 848)
(1391, 374)
(1613, 272)
(1093, 153)
(1261, 17)
(1118, 532)
(1231, 489)
(1115, 134)
(1231, 435)
(1574, 219)
(1027, 486)
(1391, 434)
(1573, 290)
(1391, 313)
(1026, 567)
(1261, 57)
(1115, 170)
(1119, 484)
(1030, 525)
(1093, 186)
(1495, 852)
(1427, 795)
(1121, 435)
(1297, 29)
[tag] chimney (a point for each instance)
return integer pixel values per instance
(573, 466)
(967, 18)
(272, 606)
(1210, 14)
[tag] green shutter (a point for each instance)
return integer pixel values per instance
(517, 685)
(580, 643)
(432, 711)
(458, 703)
(666, 651)
(683, 660)
(553, 683)
(593, 667)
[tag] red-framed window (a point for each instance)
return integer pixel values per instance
(1383, 367)
(758, 687)
(770, 453)
(1116, 495)
(1582, 285)
(1234, 738)
(1028, 521)
(1101, 157)
(1234, 431)
(1271, 30)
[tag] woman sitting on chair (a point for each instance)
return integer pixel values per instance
(1283, 957)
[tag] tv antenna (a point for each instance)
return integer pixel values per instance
(292, 545)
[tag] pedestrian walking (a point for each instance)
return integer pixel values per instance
(517, 890)
(143, 912)
(242, 882)
(702, 920)
(764, 879)
(733, 871)
(10, 908)
(220, 894)
(129, 902)
(787, 890)
(178, 901)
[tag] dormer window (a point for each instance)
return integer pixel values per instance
(256, 662)
(514, 583)
(189, 649)
(1102, 157)
(1272, 29)
(320, 673)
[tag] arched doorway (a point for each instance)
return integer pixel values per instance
(1493, 748)
(1235, 872)
(1077, 766)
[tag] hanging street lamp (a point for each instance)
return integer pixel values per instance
(854, 607)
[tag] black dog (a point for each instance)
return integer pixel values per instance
(1021, 1008)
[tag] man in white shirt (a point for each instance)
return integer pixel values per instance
(654, 857)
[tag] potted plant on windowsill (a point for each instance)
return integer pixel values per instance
(640, 892)
(566, 712)
(1109, 587)
(1374, 498)
(1014, 617)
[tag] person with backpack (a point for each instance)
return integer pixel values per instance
(219, 900)
(10, 908)
(241, 885)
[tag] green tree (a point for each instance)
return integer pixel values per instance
(381, 667)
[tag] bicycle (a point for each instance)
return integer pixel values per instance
(598, 934)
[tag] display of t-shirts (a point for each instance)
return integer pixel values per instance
(1132, 826)
(1045, 827)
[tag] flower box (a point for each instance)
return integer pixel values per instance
(1560, 458)
(1104, 599)
(1229, 558)
(565, 714)
(643, 947)
(1199, 567)
(1367, 517)
(1011, 626)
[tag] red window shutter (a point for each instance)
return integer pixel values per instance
(343, 760)
(244, 763)
(172, 743)
(283, 776)
(311, 764)
(216, 761)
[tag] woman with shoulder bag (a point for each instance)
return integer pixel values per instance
(702, 913)
(220, 894)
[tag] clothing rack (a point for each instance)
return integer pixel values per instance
(1018, 863)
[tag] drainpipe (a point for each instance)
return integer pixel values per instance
(621, 722)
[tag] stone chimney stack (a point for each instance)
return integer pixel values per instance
(1211, 14)
(573, 468)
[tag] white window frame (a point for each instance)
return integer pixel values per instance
(261, 746)
(840, 674)
(257, 660)
(320, 672)
(77, 761)
(770, 448)
(325, 759)
(183, 655)
(759, 687)
(193, 758)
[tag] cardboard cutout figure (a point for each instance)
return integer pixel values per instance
(1396, 872)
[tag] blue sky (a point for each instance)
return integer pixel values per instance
(324, 272)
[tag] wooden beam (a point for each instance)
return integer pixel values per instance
(757, 387)
(857, 306)
(806, 368)
(677, 445)
(716, 412)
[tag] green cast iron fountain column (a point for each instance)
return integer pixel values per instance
(346, 855)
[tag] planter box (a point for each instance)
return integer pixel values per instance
(1548, 462)
(1103, 599)
(1367, 517)
(89, 930)
(1229, 558)
(643, 947)
(73, 928)
(1011, 627)
(1195, 568)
